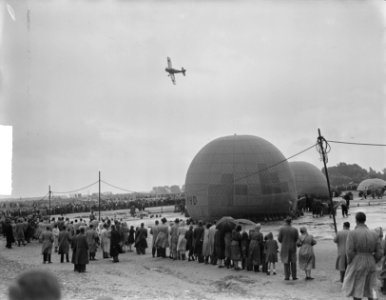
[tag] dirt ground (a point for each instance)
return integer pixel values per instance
(144, 277)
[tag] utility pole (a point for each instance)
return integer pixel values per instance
(320, 142)
(99, 196)
(49, 200)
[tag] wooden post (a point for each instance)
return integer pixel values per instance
(320, 142)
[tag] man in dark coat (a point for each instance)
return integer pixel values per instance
(288, 237)
(64, 244)
(74, 239)
(140, 241)
(81, 251)
(8, 232)
(114, 243)
(219, 247)
(189, 243)
(198, 240)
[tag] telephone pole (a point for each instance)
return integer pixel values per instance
(99, 195)
(321, 140)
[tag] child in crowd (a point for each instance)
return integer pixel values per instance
(271, 249)
(181, 249)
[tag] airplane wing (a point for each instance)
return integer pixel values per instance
(169, 63)
(173, 78)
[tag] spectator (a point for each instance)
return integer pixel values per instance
(288, 237)
(306, 252)
(340, 239)
(363, 250)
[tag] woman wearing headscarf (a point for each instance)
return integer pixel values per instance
(306, 252)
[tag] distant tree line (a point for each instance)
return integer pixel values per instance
(348, 176)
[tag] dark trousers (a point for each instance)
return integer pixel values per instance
(141, 250)
(62, 257)
(9, 243)
(46, 258)
(154, 251)
(81, 268)
(161, 252)
(290, 268)
(344, 211)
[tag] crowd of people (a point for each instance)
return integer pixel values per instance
(61, 206)
(224, 244)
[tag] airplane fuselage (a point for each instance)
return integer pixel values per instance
(173, 71)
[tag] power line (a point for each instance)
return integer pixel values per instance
(42, 197)
(117, 187)
(359, 144)
(77, 190)
(276, 164)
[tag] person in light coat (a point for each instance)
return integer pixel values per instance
(162, 241)
(105, 241)
(64, 241)
(363, 251)
(154, 232)
(340, 239)
(205, 244)
(55, 232)
(47, 238)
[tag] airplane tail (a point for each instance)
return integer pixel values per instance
(183, 71)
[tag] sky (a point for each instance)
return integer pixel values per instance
(83, 85)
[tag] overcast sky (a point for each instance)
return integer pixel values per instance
(84, 87)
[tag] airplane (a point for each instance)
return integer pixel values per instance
(172, 71)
